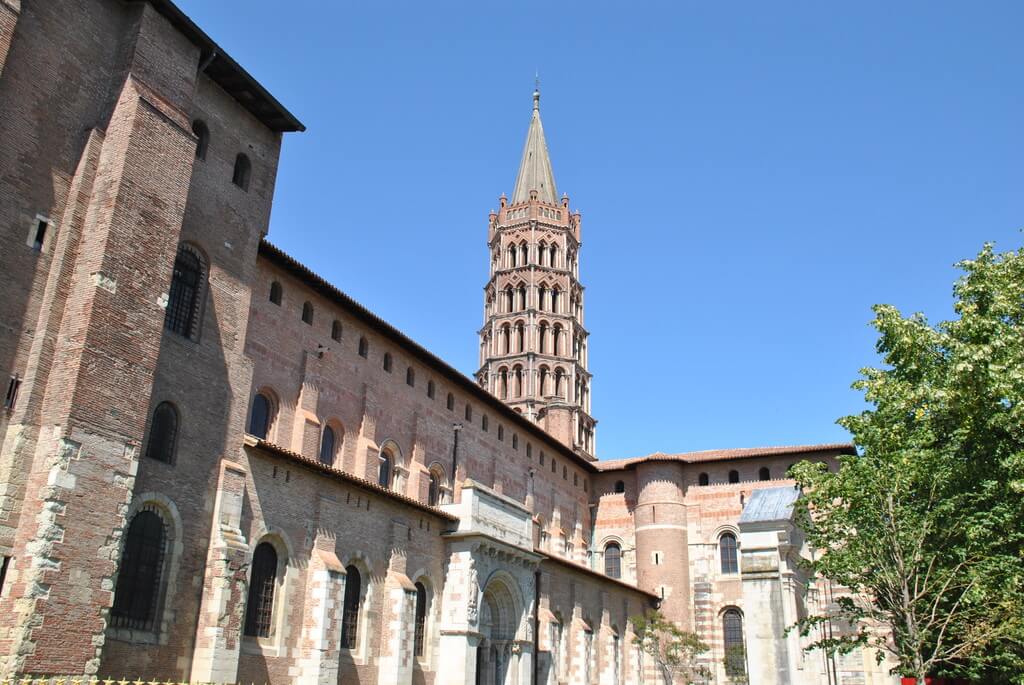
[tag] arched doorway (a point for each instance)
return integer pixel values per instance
(499, 620)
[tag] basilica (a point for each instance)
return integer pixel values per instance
(217, 467)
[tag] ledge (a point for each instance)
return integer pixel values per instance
(596, 574)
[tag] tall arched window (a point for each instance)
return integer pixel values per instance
(555, 294)
(764, 474)
(350, 609)
(727, 552)
(543, 382)
(524, 254)
(554, 255)
(735, 653)
(421, 619)
(387, 362)
(242, 172)
(556, 339)
(259, 419)
(364, 347)
(522, 297)
(431, 389)
(327, 446)
(613, 560)
(275, 293)
(410, 377)
(511, 256)
(734, 476)
(336, 331)
(183, 300)
(450, 402)
(517, 381)
(434, 489)
(259, 609)
(138, 578)
(520, 338)
(163, 433)
(202, 134)
(307, 313)
(703, 479)
(384, 469)
(620, 486)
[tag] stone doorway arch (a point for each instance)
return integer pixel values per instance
(500, 615)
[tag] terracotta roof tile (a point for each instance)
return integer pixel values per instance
(337, 473)
(727, 454)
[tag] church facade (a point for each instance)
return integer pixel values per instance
(215, 466)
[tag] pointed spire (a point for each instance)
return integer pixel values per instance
(535, 169)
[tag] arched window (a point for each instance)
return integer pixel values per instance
(327, 447)
(421, 619)
(734, 476)
(559, 383)
(202, 134)
(764, 474)
(243, 170)
(515, 441)
(450, 402)
(543, 342)
(511, 256)
(727, 552)
(410, 377)
(259, 419)
(524, 254)
(503, 383)
(275, 293)
(364, 347)
(431, 389)
(517, 378)
(510, 304)
(163, 433)
(703, 479)
(336, 331)
(520, 338)
(387, 362)
(183, 300)
(259, 609)
(522, 297)
(434, 489)
(732, 630)
(384, 469)
(469, 412)
(555, 293)
(138, 578)
(612, 560)
(620, 486)
(554, 255)
(543, 381)
(307, 313)
(483, 422)
(350, 610)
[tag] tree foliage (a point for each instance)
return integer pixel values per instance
(925, 525)
(673, 649)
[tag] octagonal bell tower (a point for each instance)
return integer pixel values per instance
(533, 344)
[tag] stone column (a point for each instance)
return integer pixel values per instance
(398, 619)
(320, 640)
(225, 586)
(458, 625)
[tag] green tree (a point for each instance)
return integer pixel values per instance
(925, 525)
(673, 649)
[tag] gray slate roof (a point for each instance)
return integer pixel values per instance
(535, 169)
(770, 504)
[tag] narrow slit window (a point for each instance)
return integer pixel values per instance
(11, 398)
(40, 235)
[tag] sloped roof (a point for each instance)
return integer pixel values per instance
(535, 168)
(770, 504)
(724, 455)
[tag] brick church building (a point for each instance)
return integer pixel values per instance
(216, 466)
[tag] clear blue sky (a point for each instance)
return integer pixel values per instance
(752, 177)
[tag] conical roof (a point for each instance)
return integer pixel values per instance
(535, 169)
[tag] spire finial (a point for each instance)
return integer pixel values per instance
(536, 90)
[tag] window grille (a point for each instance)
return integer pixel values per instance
(421, 619)
(350, 611)
(138, 578)
(259, 609)
(183, 299)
